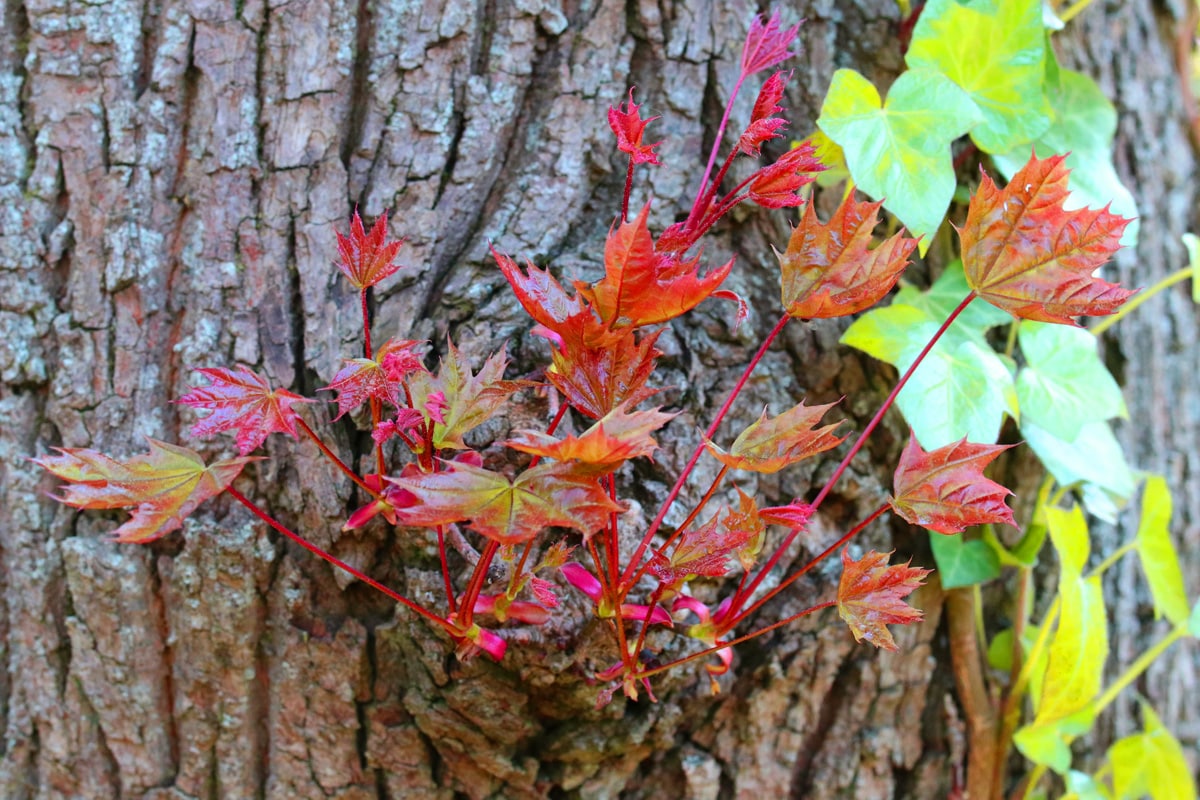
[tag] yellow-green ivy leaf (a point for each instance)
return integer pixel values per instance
(1151, 764)
(1075, 668)
(1093, 460)
(1049, 743)
(996, 53)
(1159, 559)
(1069, 535)
(899, 151)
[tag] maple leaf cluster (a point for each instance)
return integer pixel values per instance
(541, 494)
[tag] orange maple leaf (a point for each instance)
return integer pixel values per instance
(769, 445)
(870, 596)
(830, 270)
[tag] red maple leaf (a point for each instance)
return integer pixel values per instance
(764, 125)
(767, 44)
(165, 485)
(602, 448)
(944, 490)
(769, 445)
(642, 286)
(777, 185)
(1024, 253)
(242, 400)
(367, 257)
(379, 378)
(830, 270)
(509, 511)
(596, 377)
(870, 596)
(706, 550)
(629, 126)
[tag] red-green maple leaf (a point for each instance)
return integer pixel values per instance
(870, 596)
(165, 485)
(379, 378)
(944, 490)
(629, 127)
(1024, 253)
(597, 376)
(244, 401)
(642, 286)
(830, 270)
(468, 399)
(770, 444)
(509, 511)
(706, 550)
(602, 448)
(367, 257)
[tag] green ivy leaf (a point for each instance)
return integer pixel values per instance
(962, 388)
(1151, 763)
(1159, 559)
(1094, 460)
(899, 151)
(962, 563)
(1084, 125)
(1193, 247)
(1065, 383)
(996, 53)
(944, 296)
(1049, 743)
(1081, 786)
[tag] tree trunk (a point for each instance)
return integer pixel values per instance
(172, 175)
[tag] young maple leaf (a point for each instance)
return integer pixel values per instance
(870, 596)
(540, 294)
(769, 445)
(468, 400)
(944, 490)
(767, 44)
(602, 448)
(764, 125)
(367, 257)
(166, 485)
(242, 400)
(378, 378)
(597, 377)
(1023, 252)
(642, 286)
(706, 550)
(629, 126)
(508, 511)
(831, 270)
(777, 185)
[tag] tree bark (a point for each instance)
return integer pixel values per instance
(171, 177)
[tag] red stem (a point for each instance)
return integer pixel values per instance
(337, 462)
(712, 156)
(441, 537)
(366, 325)
(337, 562)
(740, 596)
(734, 642)
(687, 470)
(478, 577)
(628, 191)
(862, 438)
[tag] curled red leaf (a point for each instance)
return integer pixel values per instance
(629, 127)
(767, 44)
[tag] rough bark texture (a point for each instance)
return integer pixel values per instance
(171, 176)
